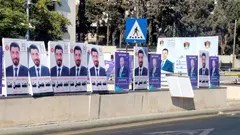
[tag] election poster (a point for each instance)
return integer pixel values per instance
(1, 57)
(97, 72)
(214, 71)
(166, 47)
(15, 66)
(154, 71)
(203, 68)
(109, 68)
(59, 65)
(121, 71)
(140, 78)
(78, 67)
(192, 68)
(39, 71)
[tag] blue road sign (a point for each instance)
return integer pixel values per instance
(136, 30)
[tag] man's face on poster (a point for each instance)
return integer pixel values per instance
(15, 55)
(121, 61)
(59, 57)
(164, 54)
(77, 57)
(204, 61)
(140, 59)
(214, 64)
(154, 62)
(192, 63)
(35, 57)
(95, 58)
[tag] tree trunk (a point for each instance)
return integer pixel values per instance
(114, 37)
(149, 32)
(223, 44)
(97, 30)
(108, 33)
(120, 39)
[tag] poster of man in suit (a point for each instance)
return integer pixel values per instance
(98, 76)
(121, 71)
(214, 71)
(166, 64)
(39, 68)
(15, 66)
(109, 68)
(203, 69)
(140, 68)
(192, 68)
(154, 71)
(78, 67)
(59, 63)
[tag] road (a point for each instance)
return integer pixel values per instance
(216, 125)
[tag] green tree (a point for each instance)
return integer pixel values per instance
(46, 24)
(95, 14)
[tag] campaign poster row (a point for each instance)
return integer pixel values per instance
(29, 69)
(146, 71)
(203, 70)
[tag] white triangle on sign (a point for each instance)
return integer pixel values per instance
(136, 32)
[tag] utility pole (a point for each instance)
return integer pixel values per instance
(108, 27)
(28, 2)
(234, 42)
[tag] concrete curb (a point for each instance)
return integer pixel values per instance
(79, 125)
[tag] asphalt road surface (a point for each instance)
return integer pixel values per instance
(219, 125)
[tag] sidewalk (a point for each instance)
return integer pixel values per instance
(79, 125)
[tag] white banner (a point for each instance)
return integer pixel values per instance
(97, 72)
(59, 63)
(15, 64)
(140, 79)
(174, 51)
(78, 67)
(39, 68)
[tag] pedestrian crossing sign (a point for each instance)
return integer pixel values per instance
(136, 30)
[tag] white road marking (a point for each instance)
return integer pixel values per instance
(185, 132)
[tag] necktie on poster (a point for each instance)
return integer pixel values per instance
(16, 69)
(38, 73)
(96, 72)
(78, 72)
(59, 69)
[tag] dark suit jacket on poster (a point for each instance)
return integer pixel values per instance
(168, 66)
(206, 72)
(23, 71)
(102, 71)
(194, 73)
(83, 71)
(144, 72)
(156, 73)
(215, 73)
(44, 71)
(124, 72)
(65, 71)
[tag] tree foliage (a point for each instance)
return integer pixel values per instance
(45, 23)
(169, 18)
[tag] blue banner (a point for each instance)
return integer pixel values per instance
(192, 69)
(121, 72)
(109, 67)
(1, 54)
(154, 71)
(214, 71)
